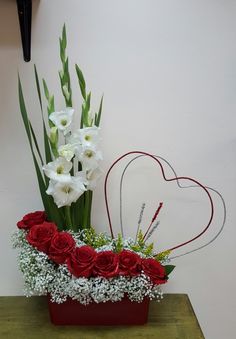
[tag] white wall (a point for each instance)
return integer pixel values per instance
(168, 72)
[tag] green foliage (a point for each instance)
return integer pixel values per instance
(140, 240)
(148, 250)
(119, 243)
(140, 246)
(162, 255)
(90, 237)
(81, 80)
(169, 269)
(98, 115)
(85, 120)
(50, 101)
(49, 206)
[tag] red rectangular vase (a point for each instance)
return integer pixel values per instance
(124, 312)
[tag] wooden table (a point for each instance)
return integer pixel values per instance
(27, 318)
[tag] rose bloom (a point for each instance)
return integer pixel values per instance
(40, 235)
(61, 245)
(129, 263)
(154, 270)
(107, 264)
(31, 219)
(81, 261)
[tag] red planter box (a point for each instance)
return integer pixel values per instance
(124, 312)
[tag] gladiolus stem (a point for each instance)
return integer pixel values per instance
(69, 224)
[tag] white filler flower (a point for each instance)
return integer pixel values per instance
(58, 170)
(62, 119)
(64, 193)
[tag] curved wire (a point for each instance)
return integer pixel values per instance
(180, 186)
(166, 179)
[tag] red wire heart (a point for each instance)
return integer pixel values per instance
(166, 179)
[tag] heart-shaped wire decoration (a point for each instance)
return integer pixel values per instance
(175, 178)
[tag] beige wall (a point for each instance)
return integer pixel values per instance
(168, 72)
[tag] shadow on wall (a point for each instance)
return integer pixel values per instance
(9, 23)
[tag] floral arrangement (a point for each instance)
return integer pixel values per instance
(59, 252)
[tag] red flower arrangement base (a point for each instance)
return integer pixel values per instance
(124, 312)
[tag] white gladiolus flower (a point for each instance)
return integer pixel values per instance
(67, 151)
(64, 193)
(62, 119)
(88, 136)
(73, 139)
(58, 170)
(84, 137)
(92, 177)
(89, 158)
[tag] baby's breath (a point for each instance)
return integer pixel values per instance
(42, 276)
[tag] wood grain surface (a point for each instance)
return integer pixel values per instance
(28, 318)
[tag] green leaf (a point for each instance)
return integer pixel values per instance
(81, 80)
(98, 116)
(51, 209)
(86, 210)
(24, 113)
(119, 243)
(77, 212)
(46, 92)
(64, 40)
(149, 249)
(28, 129)
(85, 111)
(48, 155)
(51, 104)
(35, 142)
(62, 51)
(169, 269)
(38, 87)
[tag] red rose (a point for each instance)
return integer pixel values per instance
(81, 261)
(154, 270)
(61, 245)
(106, 264)
(40, 236)
(129, 263)
(32, 219)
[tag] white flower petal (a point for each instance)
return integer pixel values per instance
(62, 119)
(67, 151)
(58, 170)
(92, 177)
(89, 157)
(64, 193)
(89, 136)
